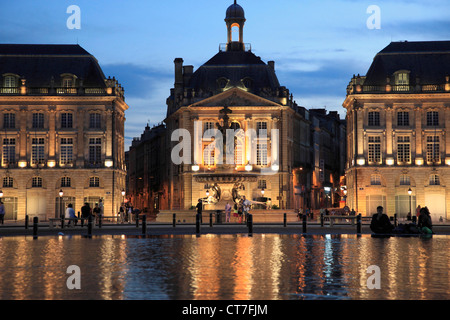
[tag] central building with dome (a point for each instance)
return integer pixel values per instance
(234, 91)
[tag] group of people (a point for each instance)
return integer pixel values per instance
(241, 209)
(381, 223)
(86, 212)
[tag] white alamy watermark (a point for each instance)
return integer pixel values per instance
(374, 21)
(74, 20)
(74, 280)
(374, 280)
(227, 146)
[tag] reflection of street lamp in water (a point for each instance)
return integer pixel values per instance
(410, 207)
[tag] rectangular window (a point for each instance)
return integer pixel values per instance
(433, 149)
(94, 182)
(209, 154)
(403, 150)
(208, 125)
(261, 128)
(38, 121)
(405, 180)
(262, 184)
(8, 182)
(10, 82)
(36, 182)
(261, 154)
(375, 180)
(95, 120)
(9, 152)
(95, 151)
(432, 118)
(374, 149)
(66, 151)
(37, 151)
(65, 182)
(402, 118)
(374, 118)
(434, 180)
(9, 121)
(66, 120)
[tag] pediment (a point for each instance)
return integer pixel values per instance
(235, 98)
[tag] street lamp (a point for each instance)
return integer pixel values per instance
(207, 193)
(248, 167)
(1, 194)
(262, 191)
(410, 193)
(61, 193)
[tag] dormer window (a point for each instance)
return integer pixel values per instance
(10, 83)
(222, 82)
(68, 80)
(402, 80)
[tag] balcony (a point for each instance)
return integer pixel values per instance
(429, 88)
(59, 91)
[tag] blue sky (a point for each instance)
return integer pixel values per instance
(317, 45)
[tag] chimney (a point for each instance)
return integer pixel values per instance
(271, 64)
(178, 73)
(187, 73)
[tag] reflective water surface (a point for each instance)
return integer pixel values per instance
(268, 267)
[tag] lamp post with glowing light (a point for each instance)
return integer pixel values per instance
(410, 207)
(61, 213)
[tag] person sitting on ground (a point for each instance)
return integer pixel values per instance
(425, 224)
(380, 222)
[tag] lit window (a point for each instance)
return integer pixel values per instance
(10, 82)
(374, 149)
(403, 149)
(37, 151)
(66, 151)
(208, 125)
(261, 154)
(433, 154)
(209, 154)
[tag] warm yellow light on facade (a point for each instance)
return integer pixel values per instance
(108, 163)
(22, 164)
(390, 161)
(447, 161)
(419, 161)
(195, 167)
(361, 161)
(51, 163)
(248, 167)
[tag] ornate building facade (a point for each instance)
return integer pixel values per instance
(62, 131)
(235, 91)
(398, 122)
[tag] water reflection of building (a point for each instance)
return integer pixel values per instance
(398, 120)
(62, 129)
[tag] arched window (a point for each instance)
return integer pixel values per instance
(375, 180)
(65, 182)
(36, 182)
(434, 180)
(94, 182)
(405, 180)
(235, 32)
(8, 182)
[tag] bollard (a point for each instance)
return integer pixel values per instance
(144, 224)
(197, 223)
(321, 219)
(89, 225)
(62, 222)
(26, 222)
(219, 217)
(358, 224)
(174, 221)
(100, 221)
(304, 223)
(35, 226)
(210, 219)
(137, 220)
(284, 220)
(414, 219)
(395, 220)
(250, 224)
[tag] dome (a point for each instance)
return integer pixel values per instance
(235, 11)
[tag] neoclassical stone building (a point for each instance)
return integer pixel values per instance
(398, 131)
(235, 90)
(61, 129)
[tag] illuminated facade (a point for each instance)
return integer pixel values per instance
(398, 120)
(62, 129)
(235, 90)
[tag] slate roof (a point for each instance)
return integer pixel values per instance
(427, 60)
(39, 63)
(234, 66)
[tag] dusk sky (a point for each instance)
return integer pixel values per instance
(317, 45)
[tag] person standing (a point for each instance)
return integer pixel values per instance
(2, 212)
(246, 206)
(86, 212)
(227, 212)
(102, 210)
(70, 214)
(200, 209)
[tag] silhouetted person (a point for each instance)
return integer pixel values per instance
(380, 222)
(425, 224)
